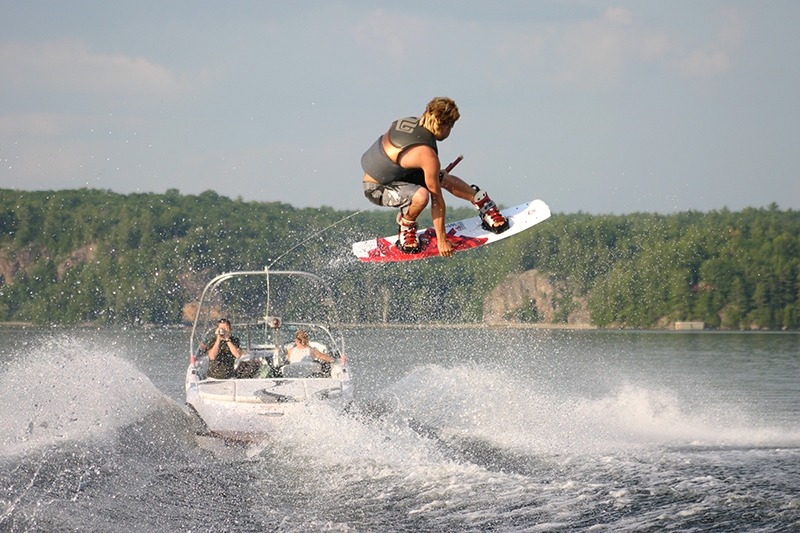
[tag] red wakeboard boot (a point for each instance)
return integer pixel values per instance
(407, 241)
(491, 217)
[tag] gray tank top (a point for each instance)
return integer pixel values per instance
(404, 133)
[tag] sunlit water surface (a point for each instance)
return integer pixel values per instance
(452, 430)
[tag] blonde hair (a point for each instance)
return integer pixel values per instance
(439, 112)
(301, 336)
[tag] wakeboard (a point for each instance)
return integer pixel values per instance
(463, 235)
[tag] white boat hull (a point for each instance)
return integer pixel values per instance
(254, 409)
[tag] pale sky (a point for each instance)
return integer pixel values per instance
(593, 106)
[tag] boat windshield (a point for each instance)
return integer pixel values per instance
(266, 311)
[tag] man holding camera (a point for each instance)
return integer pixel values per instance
(223, 350)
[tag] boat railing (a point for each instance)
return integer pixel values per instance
(326, 299)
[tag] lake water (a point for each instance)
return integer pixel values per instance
(452, 430)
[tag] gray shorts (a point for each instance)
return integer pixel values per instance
(394, 194)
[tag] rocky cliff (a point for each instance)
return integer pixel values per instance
(534, 297)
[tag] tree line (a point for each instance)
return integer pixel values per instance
(94, 256)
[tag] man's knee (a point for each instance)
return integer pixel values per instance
(421, 196)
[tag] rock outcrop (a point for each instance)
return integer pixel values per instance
(532, 296)
(12, 262)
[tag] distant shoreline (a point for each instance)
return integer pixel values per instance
(427, 325)
(508, 325)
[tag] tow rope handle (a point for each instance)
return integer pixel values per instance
(452, 165)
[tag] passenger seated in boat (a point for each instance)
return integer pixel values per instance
(301, 352)
(223, 350)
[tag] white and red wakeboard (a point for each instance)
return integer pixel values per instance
(463, 235)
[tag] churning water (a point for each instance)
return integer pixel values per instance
(452, 430)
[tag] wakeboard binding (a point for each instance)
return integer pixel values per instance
(491, 218)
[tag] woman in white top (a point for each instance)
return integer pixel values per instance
(301, 351)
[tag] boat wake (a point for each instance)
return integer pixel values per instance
(90, 444)
(64, 391)
(505, 412)
(458, 447)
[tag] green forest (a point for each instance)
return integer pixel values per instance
(96, 257)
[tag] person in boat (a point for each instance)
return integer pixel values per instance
(402, 169)
(223, 350)
(301, 351)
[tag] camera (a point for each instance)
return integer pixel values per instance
(221, 332)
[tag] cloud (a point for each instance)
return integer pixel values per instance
(715, 57)
(596, 52)
(701, 63)
(69, 65)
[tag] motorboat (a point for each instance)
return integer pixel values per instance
(266, 309)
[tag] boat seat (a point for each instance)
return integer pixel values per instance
(301, 370)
